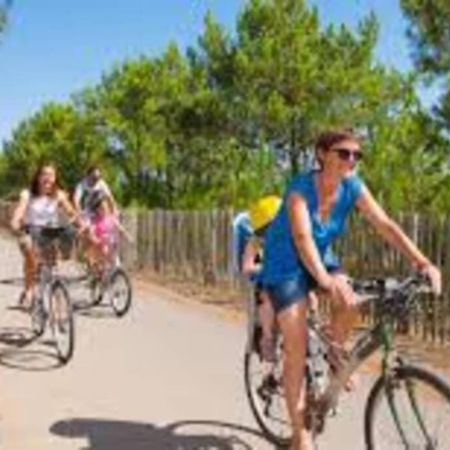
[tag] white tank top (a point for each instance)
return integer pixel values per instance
(42, 211)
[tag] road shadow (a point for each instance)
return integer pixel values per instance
(121, 435)
(17, 354)
(18, 336)
(29, 360)
(86, 309)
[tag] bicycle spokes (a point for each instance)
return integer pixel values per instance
(411, 411)
(264, 385)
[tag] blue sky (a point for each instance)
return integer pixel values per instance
(56, 47)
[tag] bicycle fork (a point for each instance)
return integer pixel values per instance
(391, 384)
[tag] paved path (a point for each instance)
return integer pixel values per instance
(168, 376)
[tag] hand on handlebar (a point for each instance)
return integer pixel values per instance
(340, 290)
(433, 274)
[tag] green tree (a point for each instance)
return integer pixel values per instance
(234, 117)
(407, 162)
(135, 104)
(56, 134)
(285, 78)
(429, 31)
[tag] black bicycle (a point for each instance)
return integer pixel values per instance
(407, 408)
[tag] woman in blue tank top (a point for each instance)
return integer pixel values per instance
(298, 256)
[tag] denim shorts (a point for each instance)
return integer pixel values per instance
(288, 292)
(293, 290)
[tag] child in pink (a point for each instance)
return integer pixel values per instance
(104, 234)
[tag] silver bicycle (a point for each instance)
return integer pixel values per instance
(52, 305)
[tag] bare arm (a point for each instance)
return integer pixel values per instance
(123, 231)
(67, 206)
(19, 211)
(251, 251)
(389, 229)
(302, 234)
(112, 203)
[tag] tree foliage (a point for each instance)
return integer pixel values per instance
(429, 32)
(237, 114)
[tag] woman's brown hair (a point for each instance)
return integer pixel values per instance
(34, 187)
(327, 139)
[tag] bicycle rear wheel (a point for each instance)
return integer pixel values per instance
(409, 410)
(263, 384)
(119, 292)
(62, 321)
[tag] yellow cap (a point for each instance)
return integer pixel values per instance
(263, 211)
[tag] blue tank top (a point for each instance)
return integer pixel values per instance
(281, 258)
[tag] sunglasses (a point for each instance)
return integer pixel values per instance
(346, 154)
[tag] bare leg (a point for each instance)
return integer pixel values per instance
(29, 271)
(343, 318)
(267, 320)
(293, 327)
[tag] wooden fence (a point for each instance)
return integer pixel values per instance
(198, 246)
(195, 245)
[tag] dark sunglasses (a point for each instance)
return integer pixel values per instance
(346, 154)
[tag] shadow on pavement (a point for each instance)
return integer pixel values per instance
(94, 311)
(16, 336)
(119, 435)
(29, 360)
(22, 350)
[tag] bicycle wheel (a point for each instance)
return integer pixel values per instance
(263, 384)
(62, 321)
(119, 292)
(38, 317)
(410, 410)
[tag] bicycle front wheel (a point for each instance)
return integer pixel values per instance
(408, 410)
(119, 292)
(62, 321)
(263, 384)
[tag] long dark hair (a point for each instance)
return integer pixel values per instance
(34, 187)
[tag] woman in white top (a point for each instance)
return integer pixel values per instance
(38, 206)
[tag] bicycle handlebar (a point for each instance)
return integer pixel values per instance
(390, 285)
(393, 296)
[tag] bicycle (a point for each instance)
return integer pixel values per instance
(52, 304)
(401, 402)
(109, 281)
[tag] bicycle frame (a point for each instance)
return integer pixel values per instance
(366, 345)
(382, 335)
